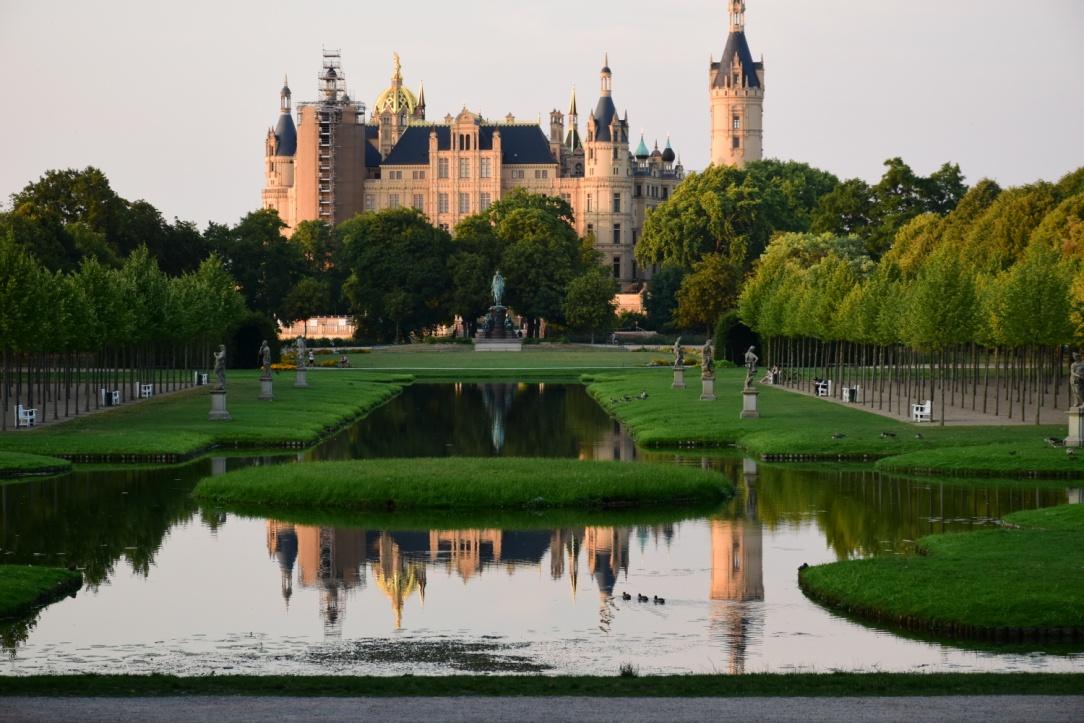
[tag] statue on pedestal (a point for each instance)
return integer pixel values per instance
(1076, 380)
(751, 360)
(220, 368)
(707, 361)
(497, 287)
(299, 347)
(679, 354)
(265, 360)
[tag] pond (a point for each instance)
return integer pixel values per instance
(173, 588)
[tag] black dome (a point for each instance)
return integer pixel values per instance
(286, 135)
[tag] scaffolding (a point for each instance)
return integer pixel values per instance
(329, 115)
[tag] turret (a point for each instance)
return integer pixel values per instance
(736, 93)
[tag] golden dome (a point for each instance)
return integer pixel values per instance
(396, 98)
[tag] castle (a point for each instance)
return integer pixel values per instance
(335, 163)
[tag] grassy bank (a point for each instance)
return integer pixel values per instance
(799, 427)
(170, 428)
(543, 362)
(18, 464)
(1021, 581)
(23, 589)
(757, 684)
(461, 483)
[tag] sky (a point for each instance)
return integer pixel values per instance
(173, 100)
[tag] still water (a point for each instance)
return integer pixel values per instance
(174, 588)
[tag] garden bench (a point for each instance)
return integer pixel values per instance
(823, 389)
(25, 417)
(146, 391)
(200, 379)
(851, 394)
(922, 412)
(110, 398)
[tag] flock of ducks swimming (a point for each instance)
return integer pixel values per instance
(644, 598)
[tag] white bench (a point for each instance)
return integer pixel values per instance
(200, 378)
(852, 394)
(25, 417)
(823, 389)
(146, 391)
(110, 398)
(922, 412)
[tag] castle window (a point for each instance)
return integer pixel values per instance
(484, 201)
(735, 142)
(617, 233)
(590, 228)
(541, 174)
(617, 203)
(634, 264)
(442, 168)
(442, 203)
(617, 267)
(464, 168)
(615, 153)
(737, 123)
(485, 167)
(393, 200)
(589, 203)
(464, 203)
(419, 202)
(639, 190)
(517, 173)
(419, 175)
(370, 202)
(665, 193)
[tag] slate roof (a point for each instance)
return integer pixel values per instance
(604, 113)
(520, 144)
(372, 153)
(286, 135)
(736, 45)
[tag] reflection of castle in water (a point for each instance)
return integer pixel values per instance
(737, 574)
(334, 561)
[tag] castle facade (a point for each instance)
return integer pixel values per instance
(336, 162)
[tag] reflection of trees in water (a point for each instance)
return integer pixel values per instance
(436, 420)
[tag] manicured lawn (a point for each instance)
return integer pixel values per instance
(176, 425)
(462, 483)
(756, 684)
(15, 464)
(1029, 577)
(460, 361)
(22, 589)
(801, 427)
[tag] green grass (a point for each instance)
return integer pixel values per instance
(1027, 576)
(23, 589)
(756, 684)
(175, 426)
(459, 483)
(16, 464)
(461, 362)
(802, 427)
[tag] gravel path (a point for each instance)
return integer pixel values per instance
(911, 709)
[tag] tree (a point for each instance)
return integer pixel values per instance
(707, 291)
(999, 236)
(845, 210)
(589, 302)
(309, 297)
(660, 301)
(399, 281)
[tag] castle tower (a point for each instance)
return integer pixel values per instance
(736, 92)
(395, 108)
(607, 185)
(279, 149)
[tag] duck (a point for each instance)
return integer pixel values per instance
(626, 596)
(886, 435)
(803, 566)
(918, 435)
(641, 598)
(1070, 452)
(659, 600)
(643, 395)
(628, 398)
(838, 435)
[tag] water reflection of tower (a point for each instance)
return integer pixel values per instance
(498, 400)
(282, 545)
(331, 560)
(465, 550)
(607, 551)
(737, 574)
(397, 576)
(615, 444)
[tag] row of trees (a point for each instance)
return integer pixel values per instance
(65, 335)
(973, 307)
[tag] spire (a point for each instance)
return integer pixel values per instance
(737, 16)
(284, 96)
(397, 74)
(605, 75)
(421, 94)
(572, 104)
(641, 150)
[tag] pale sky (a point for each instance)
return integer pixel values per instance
(172, 100)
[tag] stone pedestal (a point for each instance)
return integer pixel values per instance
(218, 406)
(218, 466)
(301, 381)
(679, 378)
(707, 391)
(749, 404)
(265, 389)
(1076, 428)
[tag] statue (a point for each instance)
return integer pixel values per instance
(299, 347)
(751, 360)
(220, 368)
(497, 286)
(1076, 380)
(679, 354)
(707, 361)
(265, 359)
